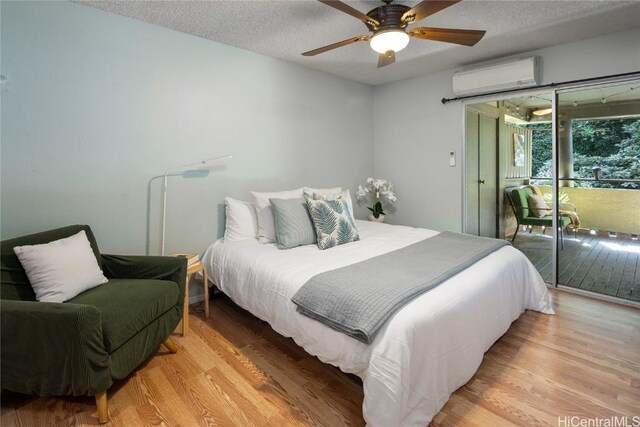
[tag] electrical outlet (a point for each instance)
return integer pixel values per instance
(452, 158)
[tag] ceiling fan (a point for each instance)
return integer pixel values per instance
(388, 24)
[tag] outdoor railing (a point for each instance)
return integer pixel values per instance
(610, 181)
(605, 209)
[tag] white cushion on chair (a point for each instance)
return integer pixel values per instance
(538, 206)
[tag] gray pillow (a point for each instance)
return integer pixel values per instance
(293, 223)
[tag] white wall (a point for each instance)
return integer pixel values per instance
(96, 105)
(414, 131)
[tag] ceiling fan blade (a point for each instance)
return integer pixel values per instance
(335, 45)
(351, 11)
(426, 8)
(448, 35)
(387, 58)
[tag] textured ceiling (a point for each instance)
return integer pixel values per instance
(285, 29)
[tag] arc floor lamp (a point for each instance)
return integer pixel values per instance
(201, 165)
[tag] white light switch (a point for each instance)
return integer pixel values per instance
(452, 158)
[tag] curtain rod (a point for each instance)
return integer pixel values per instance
(547, 86)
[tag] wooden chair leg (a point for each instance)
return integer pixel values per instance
(206, 292)
(103, 408)
(170, 345)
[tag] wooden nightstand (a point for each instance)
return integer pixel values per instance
(191, 270)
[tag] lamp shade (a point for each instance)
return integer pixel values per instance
(201, 165)
(390, 40)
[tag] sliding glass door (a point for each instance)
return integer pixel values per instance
(558, 174)
(598, 189)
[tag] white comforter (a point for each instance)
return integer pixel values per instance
(424, 353)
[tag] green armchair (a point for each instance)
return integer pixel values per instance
(81, 346)
(518, 199)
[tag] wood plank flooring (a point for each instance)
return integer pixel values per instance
(234, 370)
(592, 263)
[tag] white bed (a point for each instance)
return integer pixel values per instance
(427, 350)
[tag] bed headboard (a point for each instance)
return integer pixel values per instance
(222, 219)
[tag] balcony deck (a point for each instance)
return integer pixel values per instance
(595, 263)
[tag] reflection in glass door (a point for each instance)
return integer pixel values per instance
(527, 175)
(508, 161)
(598, 189)
(531, 197)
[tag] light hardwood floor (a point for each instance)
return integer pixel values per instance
(234, 370)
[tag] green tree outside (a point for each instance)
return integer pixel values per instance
(611, 144)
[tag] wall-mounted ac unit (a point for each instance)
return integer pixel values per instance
(507, 75)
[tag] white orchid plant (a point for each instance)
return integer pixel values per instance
(375, 194)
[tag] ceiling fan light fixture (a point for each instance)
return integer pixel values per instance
(390, 40)
(542, 112)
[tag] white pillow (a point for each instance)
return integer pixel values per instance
(62, 269)
(538, 207)
(266, 221)
(311, 191)
(241, 222)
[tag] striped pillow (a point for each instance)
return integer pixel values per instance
(293, 223)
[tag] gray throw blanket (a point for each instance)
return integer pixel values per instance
(359, 298)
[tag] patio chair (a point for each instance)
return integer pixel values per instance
(518, 199)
